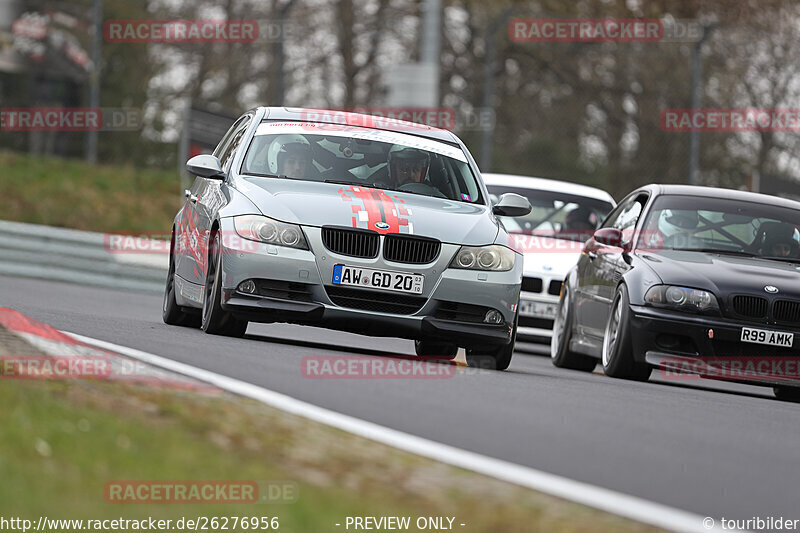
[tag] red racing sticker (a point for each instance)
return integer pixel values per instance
(375, 210)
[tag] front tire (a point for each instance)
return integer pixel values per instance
(216, 320)
(618, 360)
(560, 353)
(434, 350)
(171, 312)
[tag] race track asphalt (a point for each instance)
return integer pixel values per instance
(715, 449)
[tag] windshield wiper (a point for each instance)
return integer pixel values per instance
(345, 182)
(740, 253)
(278, 176)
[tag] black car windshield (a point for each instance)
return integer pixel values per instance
(725, 226)
(554, 214)
(365, 157)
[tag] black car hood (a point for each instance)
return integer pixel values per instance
(724, 274)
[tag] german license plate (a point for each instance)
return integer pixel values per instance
(378, 279)
(764, 336)
(537, 309)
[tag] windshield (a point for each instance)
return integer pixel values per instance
(361, 156)
(557, 215)
(724, 226)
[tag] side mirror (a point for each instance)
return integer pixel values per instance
(512, 205)
(205, 166)
(609, 237)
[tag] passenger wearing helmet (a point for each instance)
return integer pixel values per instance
(779, 241)
(407, 165)
(290, 155)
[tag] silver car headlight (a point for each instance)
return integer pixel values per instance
(494, 257)
(681, 298)
(263, 229)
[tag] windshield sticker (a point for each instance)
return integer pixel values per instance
(356, 132)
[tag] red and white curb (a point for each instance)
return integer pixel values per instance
(69, 358)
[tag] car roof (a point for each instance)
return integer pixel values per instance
(334, 116)
(544, 184)
(718, 192)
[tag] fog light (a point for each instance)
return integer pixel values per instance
(248, 286)
(493, 317)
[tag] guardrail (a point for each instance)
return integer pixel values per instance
(46, 252)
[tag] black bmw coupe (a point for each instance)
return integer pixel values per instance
(694, 281)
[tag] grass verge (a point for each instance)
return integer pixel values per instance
(69, 193)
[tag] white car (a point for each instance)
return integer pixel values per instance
(551, 237)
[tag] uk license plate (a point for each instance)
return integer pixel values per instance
(378, 279)
(764, 336)
(537, 309)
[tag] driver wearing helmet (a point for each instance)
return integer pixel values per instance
(408, 165)
(779, 242)
(290, 155)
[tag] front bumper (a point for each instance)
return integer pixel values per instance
(450, 308)
(710, 346)
(536, 316)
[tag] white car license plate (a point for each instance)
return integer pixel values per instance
(537, 309)
(378, 279)
(763, 336)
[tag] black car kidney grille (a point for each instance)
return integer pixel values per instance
(379, 302)
(414, 250)
(786, 311)
(750, 306)
(355, 243)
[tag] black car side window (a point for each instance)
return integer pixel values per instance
(627, 215)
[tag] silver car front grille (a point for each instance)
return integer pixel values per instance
(351, 242)
(414, 250)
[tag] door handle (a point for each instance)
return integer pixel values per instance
(191, 197)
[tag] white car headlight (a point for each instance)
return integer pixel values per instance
(681, 298)
(494, 257)
(263, 229)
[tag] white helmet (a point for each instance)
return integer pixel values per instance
(282, 146)
(404, 154)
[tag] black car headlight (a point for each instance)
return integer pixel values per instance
(493, 257)
(681, 299)
(263, 229)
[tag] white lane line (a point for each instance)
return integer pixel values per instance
(597, 497)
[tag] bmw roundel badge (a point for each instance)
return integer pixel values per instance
(382, 225)
(772, 289)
